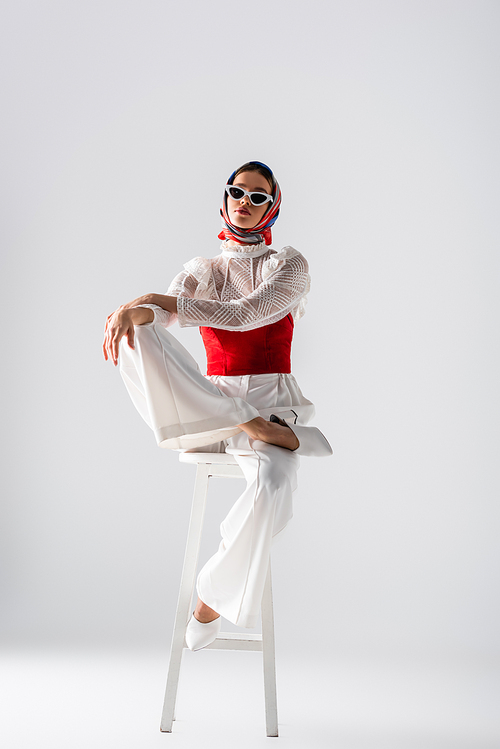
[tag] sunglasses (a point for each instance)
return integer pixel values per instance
(256, 198)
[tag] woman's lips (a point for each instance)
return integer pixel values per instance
(243, 211)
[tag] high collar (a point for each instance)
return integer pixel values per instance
(244, 250)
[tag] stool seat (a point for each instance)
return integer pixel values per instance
(217, 465)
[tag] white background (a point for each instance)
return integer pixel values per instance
(121, 122)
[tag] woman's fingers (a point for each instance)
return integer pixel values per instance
(117, 326)
(111, 343)
(105, 343)
(115, 344)
(115, 341)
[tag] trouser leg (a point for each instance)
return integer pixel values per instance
(184, 408)
(232, 581)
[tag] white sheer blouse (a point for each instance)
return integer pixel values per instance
(245, 287)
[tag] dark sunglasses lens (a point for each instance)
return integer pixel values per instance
(258, 199)
(236, 193)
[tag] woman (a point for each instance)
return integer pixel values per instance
(245, 302)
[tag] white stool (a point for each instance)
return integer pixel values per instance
(220, 465)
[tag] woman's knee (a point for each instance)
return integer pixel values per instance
(144, 331)
(277, 470)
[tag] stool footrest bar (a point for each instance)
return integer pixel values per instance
(235, 641)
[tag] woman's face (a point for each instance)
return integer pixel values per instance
(241, 212)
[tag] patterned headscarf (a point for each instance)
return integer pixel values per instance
(261, 231)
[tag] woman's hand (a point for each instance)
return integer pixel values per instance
(121, 323)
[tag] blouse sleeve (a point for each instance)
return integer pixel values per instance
(184, 284)
(279, 293)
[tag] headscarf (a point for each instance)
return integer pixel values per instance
(261, 231)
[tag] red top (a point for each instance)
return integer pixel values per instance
(264, 350)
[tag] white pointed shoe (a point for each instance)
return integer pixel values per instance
(312, 441)
(200, 634)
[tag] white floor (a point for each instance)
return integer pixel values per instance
(113, 700)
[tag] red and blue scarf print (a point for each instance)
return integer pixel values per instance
(261, 232)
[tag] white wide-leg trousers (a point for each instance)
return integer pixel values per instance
(232, 581)
(187, 411)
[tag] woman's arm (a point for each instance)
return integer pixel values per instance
(278, 294)
(164, 306)
(158, 308)
(168, 303)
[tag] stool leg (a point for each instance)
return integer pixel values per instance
(268, 657)
(188, 580)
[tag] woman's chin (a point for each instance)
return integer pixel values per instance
(243, 222)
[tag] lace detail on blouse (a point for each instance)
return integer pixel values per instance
(238, 290)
